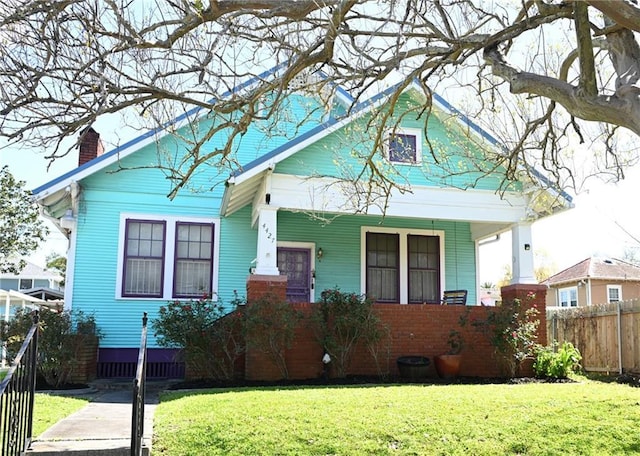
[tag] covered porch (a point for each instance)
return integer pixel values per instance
(409, 251)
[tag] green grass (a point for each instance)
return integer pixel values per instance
(49, 409)
(586, 418)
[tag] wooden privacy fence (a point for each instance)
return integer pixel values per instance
(607, 335)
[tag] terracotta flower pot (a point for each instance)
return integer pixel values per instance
(447, 366)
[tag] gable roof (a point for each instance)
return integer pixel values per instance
(596, 268)
(250, 174)
(140, 141)
(253, 170)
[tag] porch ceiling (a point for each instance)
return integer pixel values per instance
(237, 196)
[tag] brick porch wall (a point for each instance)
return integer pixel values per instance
(413, 330)
(258, 366)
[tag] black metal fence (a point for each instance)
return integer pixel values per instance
(17, 394)
(137, 417)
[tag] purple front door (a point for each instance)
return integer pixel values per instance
(295, 263)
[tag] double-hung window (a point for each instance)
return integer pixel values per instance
(402, 266)
(144, 258)
(193, 259)
(568, 297)
(405, 146)
(614, 293)
(166, 258)
(383, 267)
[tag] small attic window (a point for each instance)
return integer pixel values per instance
(405, 146)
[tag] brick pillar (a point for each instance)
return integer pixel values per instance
(86, 362)
(257, 365)
(530, 295)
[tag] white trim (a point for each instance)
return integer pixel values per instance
(312, 263)
(170, 220)
(522, 270)
(403, 266)
(71, 267)
(407, 131)
(567, 290)
(302, 193)
(614, 287)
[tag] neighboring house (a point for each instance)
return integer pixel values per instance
(132, 249)
(593, 281)
(31, 288)
(32, 276)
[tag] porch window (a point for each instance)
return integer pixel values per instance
(165, 257)
(404, 146)
(568, 297)
(383, 260)
(424, 269)
(403, 267)
(614, 293)
(144, 258)
(193, 259)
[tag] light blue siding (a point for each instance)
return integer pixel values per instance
(9, 284)
(136, 185)
(342, 154)
(96, 260)
(340, 240)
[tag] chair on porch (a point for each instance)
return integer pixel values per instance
(454, 297)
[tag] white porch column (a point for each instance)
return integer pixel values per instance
(522, 251)
(267, 260)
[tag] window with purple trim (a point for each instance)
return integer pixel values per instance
(167, 257)
(144, 258)
(193, 260)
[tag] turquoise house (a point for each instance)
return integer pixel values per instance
(296, 203)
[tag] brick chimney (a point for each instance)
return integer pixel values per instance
(90, 146)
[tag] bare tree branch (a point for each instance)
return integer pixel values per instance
(67, 64)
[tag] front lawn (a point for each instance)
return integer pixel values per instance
(48, 409)
(587, 418)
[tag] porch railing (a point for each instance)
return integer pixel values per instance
(17, 393)
(139, 386)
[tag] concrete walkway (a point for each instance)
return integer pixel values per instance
(101, 428)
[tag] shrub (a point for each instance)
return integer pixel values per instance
(512, 329)
(269, 326)
(557, 364)
(61, 336)
(341, 321)
(210, 334)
